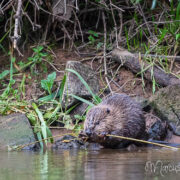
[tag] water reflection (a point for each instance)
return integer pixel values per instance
(90, 165)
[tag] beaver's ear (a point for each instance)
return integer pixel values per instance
(108, 110)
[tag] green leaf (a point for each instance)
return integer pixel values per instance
(38, 49)
(4, 74)
(43, 54)
(71, 108)
(40, 139)
(47, 84)
(163, 33)
(82, 100)
(49, 134)
(30, 58)
(91, 39)
(93, 33)
(62, 88)
(31, 118)
(47, 98)
(43, 123)
(177, 37)
(99, 45)
(178, 12)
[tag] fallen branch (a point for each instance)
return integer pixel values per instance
(132, 62)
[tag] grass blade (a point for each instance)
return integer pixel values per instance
(43, 123)
(82, 100)
(62, 88)
(84, 82)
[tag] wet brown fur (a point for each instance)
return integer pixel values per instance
(117, 115)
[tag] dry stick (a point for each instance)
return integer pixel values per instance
(2, 3)
(121, 27)
(79, 26)
(116, 6)
(97, 23)
(53, 66)
(105, 65)
(115, 24)
(147, 24)
(7, 5)
(47, 12)
(17, 17)
(143, 141)
(65, 7)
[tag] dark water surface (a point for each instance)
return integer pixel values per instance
(91, 165)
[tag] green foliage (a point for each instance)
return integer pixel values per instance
(177, 37)
(47, 84)
(54, 114)
(82, 100)
(44, 128)
(37, 57)
(9, 88)
(92, 37)
(62, 89)
(4, 74)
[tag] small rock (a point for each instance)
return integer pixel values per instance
(155, 127)
(74, 84)
(68, 142)
(71, 142)
(166, 104)
(15, 130)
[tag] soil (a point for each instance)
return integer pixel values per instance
(123, 81)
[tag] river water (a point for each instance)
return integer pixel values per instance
(102, 164)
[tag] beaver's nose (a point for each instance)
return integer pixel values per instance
(88, 132)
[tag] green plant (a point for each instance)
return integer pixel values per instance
(53, 114)
(37, 57)
(22, 86)
(4, 74)
(127, 39)
(92, 36)
(44, 132)
(47, 84)
(9, 89)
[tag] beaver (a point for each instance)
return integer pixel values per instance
(116, 115)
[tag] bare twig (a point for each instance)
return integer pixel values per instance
(147, 24)
(115, 24)
(16, 26)
(105, 65)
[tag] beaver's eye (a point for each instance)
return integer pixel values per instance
(96, 123)
(108, 110)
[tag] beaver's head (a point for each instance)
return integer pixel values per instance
(99, 122)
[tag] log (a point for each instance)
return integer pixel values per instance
(131, 61)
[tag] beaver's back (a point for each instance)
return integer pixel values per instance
(116, 115)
